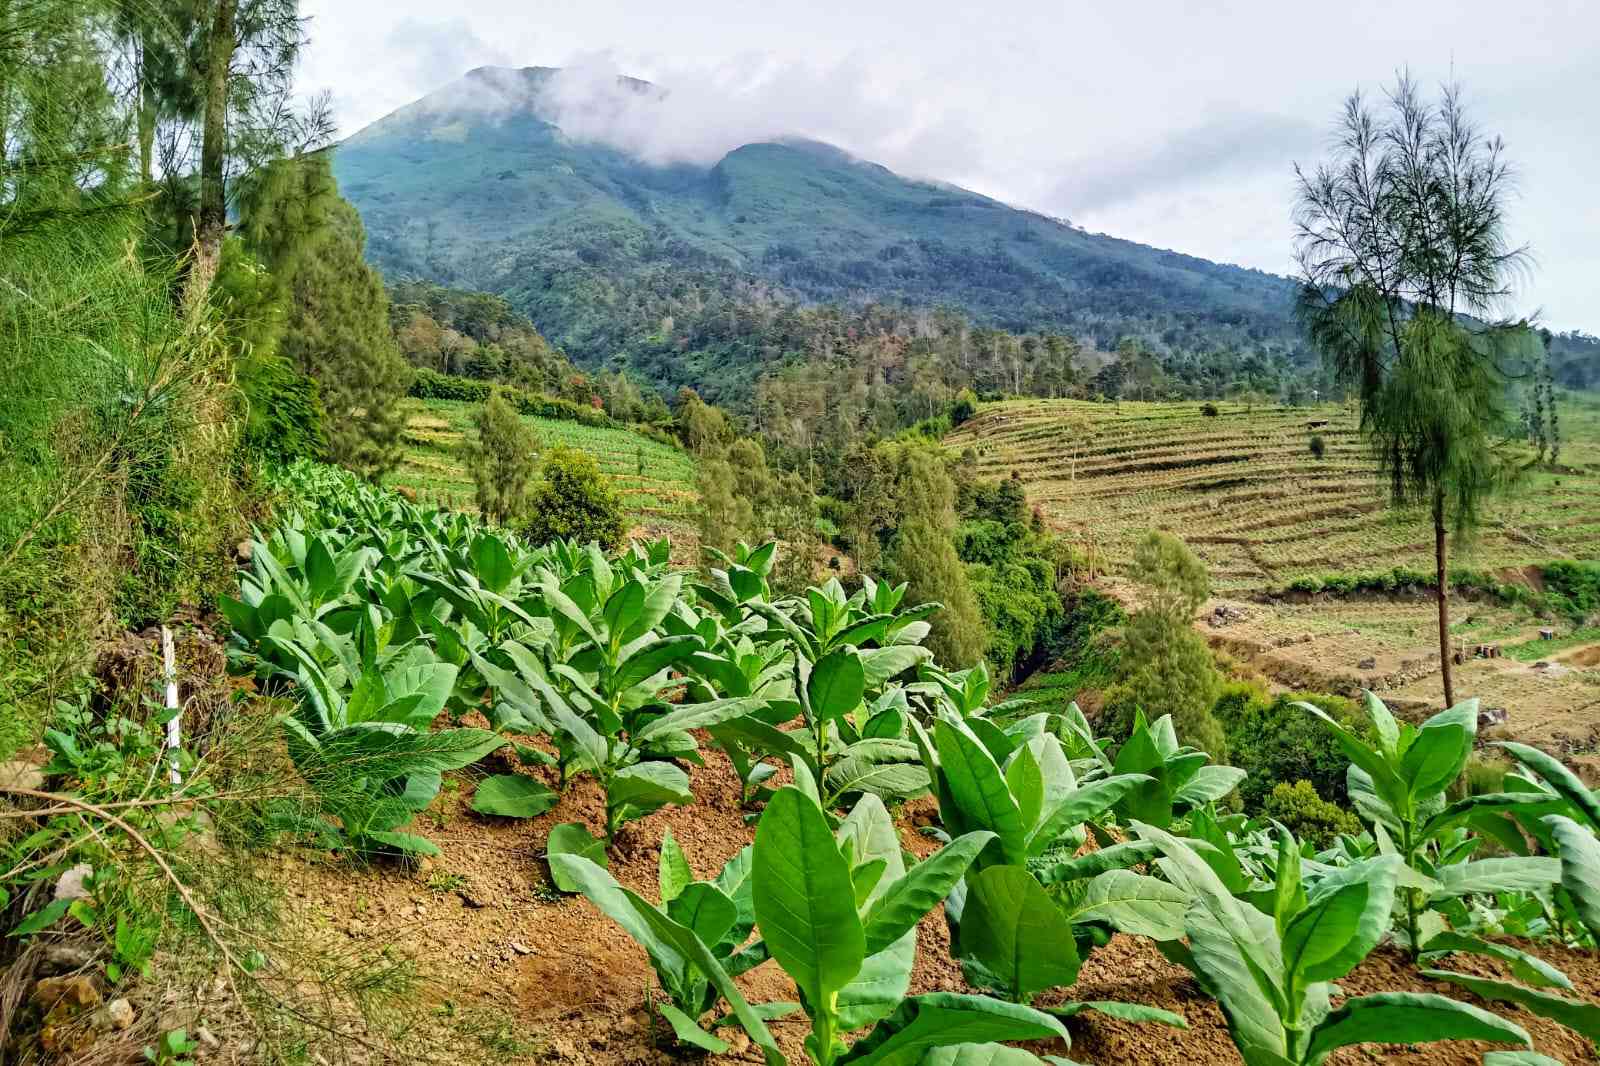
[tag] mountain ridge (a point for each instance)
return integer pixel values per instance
(617, 260)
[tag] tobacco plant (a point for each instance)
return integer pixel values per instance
(1272, 973)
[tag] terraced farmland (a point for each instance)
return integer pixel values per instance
(1244, 489)
(655, 480)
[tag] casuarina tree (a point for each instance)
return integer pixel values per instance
(1404, 262)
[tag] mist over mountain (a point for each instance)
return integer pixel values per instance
(637, 229)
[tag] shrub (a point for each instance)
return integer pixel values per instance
(574, 502)
(432, 385)
(1276, 741)
(1319, 447)
(963, 407)
(1307, 815)
(1209, 410)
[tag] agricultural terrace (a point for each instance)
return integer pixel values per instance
(1245, 489)
(655, 480)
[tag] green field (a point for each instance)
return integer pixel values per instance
(655, 480)
(1244, 489)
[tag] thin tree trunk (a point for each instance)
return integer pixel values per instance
(212, 223)
(1443, 589)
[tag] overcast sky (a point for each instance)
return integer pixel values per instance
(1174, 122)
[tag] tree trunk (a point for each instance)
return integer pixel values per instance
(212, 222)
(1443, 590)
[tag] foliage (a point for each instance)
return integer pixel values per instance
(502, 457)
(1274, 739)
(1308, 816)
(429, 384)
(1271, 972)
(1166, 665)
(573, 500)
(1398, 780)
(337, 329)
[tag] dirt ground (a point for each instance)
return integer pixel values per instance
(517, 973)
(1391, 648)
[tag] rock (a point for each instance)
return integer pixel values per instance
(520, 948)
(471, 897)
(1492, 716)
(71, 884)
(244, 551)
(1369, 663)
(21, 774)
(207, 1037)
(118, 1015)
(68, 994)
(64, 958)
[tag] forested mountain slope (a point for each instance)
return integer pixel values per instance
(473, 187)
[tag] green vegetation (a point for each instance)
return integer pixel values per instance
(573, 500)
(503, 459)
(659, 494)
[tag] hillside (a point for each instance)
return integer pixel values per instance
(1246, 492)
(472, 186)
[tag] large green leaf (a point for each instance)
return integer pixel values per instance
(903, 903)
(1513, 874)
(1525, 967)
(705, 910)
(1346, 915)
(867, 773)
(1580, 867)
(570, 838)
(837, 684)
(1209, 784)
(804, 903)
(1128, 1012)
(601, 889)
(979, 789)
(1135, 904)
(699, 716)
(945, 1019)
(673, 873)
(879, 665)
(648, 785)
(1582, 1016)
(1091, 864)
(979, 1055)
(650, 660)
(1408, 1018)
(1016, 931)
(1563, 780)
(513, 796)
(1519, 1058)
(1082, 805)
(1440, 749)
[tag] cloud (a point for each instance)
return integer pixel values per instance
(1226, 148)
(697, 114)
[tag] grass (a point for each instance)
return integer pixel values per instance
(655, 480)
(1244, 490)
(1533, 650)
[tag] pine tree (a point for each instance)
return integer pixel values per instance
(503, 459)
(337, 329)
(923, 555)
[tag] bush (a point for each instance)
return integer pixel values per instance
(1209, 410)
(575, 501)
(1319, 447)
(1275, 741)
(1572, 589)
(1307, 815)
(963, 407)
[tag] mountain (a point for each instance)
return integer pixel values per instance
(613, 258)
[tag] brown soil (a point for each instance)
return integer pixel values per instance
(496, 940)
